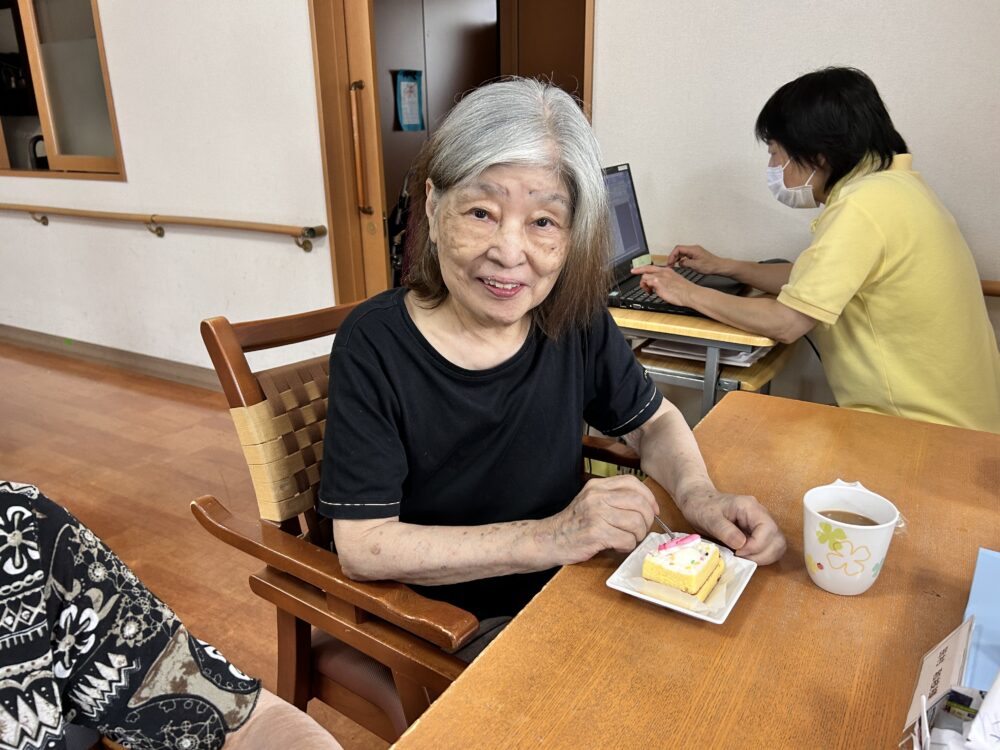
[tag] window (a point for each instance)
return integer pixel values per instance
(56, 112)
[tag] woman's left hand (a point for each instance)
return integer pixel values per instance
(665, 283)
(738, 521)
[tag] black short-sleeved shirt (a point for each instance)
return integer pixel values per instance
(410, 434)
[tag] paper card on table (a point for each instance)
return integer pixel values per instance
(940, 670)
(984, 650)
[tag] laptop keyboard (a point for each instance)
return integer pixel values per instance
(690, 274)
(641, 295)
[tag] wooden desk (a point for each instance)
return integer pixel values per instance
(584, 666)
(711, 334)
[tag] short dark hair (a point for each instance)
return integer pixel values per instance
(835, 113)
(522, 122)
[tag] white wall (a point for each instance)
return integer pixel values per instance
(678, 86)
(216, 108)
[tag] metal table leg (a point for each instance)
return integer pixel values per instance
(711, 379)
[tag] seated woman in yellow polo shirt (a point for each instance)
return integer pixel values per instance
(888, 287)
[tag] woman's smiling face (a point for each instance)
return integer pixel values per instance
(502, 240)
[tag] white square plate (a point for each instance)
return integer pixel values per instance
(628, 579)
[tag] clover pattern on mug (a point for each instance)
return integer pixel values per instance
(829, 536)
(848, 558)
(843, 555)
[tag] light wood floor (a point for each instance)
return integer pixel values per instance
(126, 454)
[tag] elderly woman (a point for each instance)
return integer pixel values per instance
(888, 287)
(453, 442)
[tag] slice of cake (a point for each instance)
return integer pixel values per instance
(687, 563)
(710, 582)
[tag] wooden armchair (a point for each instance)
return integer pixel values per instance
(377, 652)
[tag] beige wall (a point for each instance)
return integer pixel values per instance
(677, 87)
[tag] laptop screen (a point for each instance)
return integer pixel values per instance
(628, 237)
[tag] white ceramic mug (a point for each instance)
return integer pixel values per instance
(846, 558)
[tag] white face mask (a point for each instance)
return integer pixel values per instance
(797, 197)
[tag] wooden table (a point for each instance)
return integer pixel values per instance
(690, 329)
(584, 666)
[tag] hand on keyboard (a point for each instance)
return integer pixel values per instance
(666, 283)
(697, 258)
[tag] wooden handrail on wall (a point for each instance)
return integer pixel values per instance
(154, 222)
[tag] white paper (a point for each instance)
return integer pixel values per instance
(410, 96)
(985, 731)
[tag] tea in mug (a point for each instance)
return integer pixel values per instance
(846, 516)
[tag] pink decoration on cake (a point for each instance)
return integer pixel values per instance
(683, 541)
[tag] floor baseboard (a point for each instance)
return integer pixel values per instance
(156, 367)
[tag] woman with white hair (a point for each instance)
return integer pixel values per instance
(453, 453)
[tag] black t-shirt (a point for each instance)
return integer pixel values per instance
(410, 434)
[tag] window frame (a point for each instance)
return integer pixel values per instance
(62, 165)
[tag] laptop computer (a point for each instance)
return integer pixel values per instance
(629, 242)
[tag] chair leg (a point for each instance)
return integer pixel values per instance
(294, 659)
(412, 696)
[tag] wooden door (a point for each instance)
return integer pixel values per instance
(553, 39)
(347, 96)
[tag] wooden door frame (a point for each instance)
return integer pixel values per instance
(588, 60)
(4, 156)
(358, 248)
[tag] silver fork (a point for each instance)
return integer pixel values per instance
(666, 529)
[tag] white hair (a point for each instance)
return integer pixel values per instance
(521, 122)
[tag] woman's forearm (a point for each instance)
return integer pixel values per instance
(669, 454)
(387, 549)
(768, 277)
(762, 315)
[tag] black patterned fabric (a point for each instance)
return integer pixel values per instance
(83, 641)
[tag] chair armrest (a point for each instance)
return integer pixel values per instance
(442, 624)
(610, 450)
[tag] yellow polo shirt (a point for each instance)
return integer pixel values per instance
(902, 324)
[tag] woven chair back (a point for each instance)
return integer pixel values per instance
(282, 437)
(279, 413)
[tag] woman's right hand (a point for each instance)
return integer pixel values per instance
(697, 258)
(609, 513)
